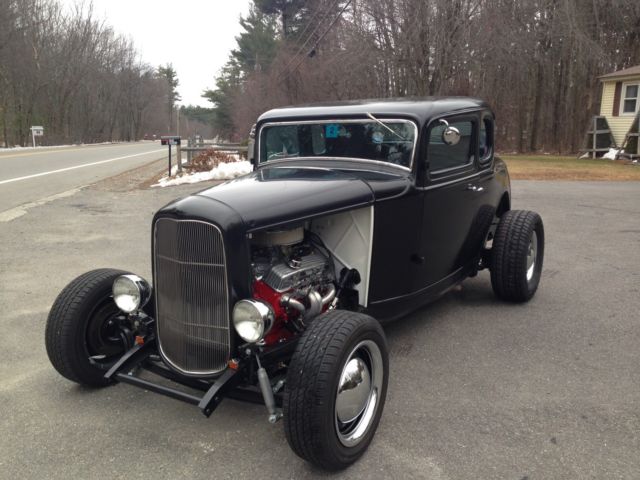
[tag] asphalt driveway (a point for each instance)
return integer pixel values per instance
(478, 388)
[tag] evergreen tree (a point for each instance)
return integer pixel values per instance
(257, 46)
(168, 73)
(288, 11)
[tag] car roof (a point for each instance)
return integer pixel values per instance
(421, 109)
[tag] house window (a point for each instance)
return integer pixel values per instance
(630, 98)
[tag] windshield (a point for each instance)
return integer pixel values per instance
(390, 141)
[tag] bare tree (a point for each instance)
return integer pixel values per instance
(536, 62)
(72, 74)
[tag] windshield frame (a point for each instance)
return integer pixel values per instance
(339, 120)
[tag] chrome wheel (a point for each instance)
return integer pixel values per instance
(358, 392)
(532, 253)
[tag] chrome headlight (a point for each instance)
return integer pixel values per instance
(252, 319)
(131, 292)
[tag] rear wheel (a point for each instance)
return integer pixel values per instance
(336, 389)
(86, 332)
(516, 255)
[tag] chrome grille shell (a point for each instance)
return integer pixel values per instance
(191, 295)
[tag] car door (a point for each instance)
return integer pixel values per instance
(452, 200)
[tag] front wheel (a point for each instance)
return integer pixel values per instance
(86, 332)
(516, 255)
(336, 389)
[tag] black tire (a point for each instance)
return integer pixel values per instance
(68, 337)
(511, 278)
(310, 415)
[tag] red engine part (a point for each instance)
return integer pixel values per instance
(279, 330)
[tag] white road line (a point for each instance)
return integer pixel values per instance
(27, 177)
(30, 151)
(21, 210)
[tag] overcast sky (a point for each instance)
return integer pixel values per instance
(195, 35)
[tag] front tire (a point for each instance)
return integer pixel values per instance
(517, 255)
(83, 335)
(336, 389)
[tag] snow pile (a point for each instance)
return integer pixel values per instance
(44, 147)
(47, 147)
(611, 154)
(224, 171)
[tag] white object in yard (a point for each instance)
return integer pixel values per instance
(611, 154)
(224, 171)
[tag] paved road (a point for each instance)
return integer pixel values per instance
(479, 389)
(31, 175)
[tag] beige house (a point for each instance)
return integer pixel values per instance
(620, 100)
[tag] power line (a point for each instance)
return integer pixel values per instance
(283, 72)
(330, 26)
(312, 51)
(310, 22)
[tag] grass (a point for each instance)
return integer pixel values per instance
(548, 167)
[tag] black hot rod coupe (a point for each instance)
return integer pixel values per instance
(271, 287)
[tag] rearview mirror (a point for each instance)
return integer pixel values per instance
(450, 135)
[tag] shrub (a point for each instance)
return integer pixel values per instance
(208, 160)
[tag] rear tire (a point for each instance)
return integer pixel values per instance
(336, 388)
(517, 255)
(77, 328)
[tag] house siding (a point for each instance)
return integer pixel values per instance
(621, 124)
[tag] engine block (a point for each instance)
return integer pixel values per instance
(305, 271)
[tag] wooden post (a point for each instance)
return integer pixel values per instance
(595, 136)
(179, 157)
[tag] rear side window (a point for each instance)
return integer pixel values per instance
(445, 157)
(485, 141)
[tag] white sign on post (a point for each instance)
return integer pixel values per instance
(36, 131)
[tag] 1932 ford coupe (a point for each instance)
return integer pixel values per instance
(272, 287)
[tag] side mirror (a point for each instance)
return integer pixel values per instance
(450, 135)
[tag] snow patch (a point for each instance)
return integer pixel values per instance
(47, 147)
(611, 154)
(224, 171)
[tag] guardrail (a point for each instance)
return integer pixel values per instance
(197, 147)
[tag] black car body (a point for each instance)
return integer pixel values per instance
(428, 227)
(371, 207)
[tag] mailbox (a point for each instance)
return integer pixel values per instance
(37, 131)
(170, 140)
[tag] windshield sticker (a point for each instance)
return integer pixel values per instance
(331, 130)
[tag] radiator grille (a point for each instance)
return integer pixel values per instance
(192, 301)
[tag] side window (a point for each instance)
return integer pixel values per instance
(443, 157)
(281, 143)
(631, 99)
(485, 141)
